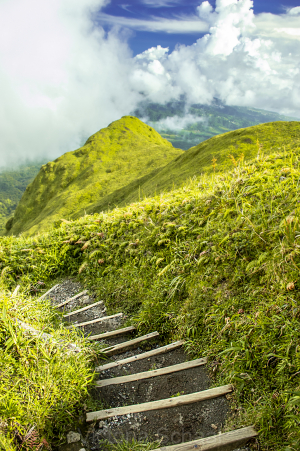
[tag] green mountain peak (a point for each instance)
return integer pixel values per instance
(216, 154)
(111, 158)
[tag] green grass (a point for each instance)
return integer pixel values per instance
(132, 445)
(215, 262)
(198, 160)
(43, 383)
(111, 158)
(218, 119)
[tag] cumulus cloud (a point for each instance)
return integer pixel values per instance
(229, 20)
(62, 77)
(294, 11)
(235, 61)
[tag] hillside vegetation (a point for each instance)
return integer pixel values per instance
(208, 120)
(12, 186)
(213, 119)
(111, 158)
(214, 155)
(215, 262)
(43, 381)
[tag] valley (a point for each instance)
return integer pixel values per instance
(186, 126)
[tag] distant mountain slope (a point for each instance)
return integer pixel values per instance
(226, 149)
(110, 159)
(186, 126)
(13, 183)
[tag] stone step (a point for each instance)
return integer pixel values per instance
(153, 373)
(160, 404)
(144, 355)
(83, 309)
(97, 320)
(112, 333)
(228, 441)
(121, 347)
(71, 299)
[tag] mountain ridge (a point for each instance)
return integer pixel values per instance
(110, 159)
(226, 149)
(90, 180)
(219, 119)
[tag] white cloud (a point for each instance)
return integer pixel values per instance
(174, 123)
(61, 77)
(290, 31)
(186, 25)
(294, 11)
(242, 61)
(272, 26)
(160, 3)
(153, 54)
(230, 19)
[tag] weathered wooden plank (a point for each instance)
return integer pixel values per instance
(71, 299)
(47, 292)
(144, 355)
(117, 349)
(97, 320)
(82, 309)
(153, 373)
(224, 442)
(47, 337)
(112, 333)
(16, 291)
(160, 404)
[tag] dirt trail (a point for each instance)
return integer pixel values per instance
(169, 426)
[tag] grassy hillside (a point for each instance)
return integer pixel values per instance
(43, 383)
(111, 158)
(218, 119)
(214, 155)
(215, 262)
(214, 119)
(12, 186)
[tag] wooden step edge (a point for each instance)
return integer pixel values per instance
(228, 441)
(82, 309)
(117, 349)
(154, 373)
(145, 355)
(160, 404)
(97, 320)
(47, 292)
(112, 333)
(16, 291)
(71, 299)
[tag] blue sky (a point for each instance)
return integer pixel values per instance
(148, 10)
